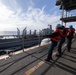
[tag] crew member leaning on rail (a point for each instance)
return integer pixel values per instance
(70, 36)
(55, 37)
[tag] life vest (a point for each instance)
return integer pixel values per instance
(65, 32)
(57, 38)
(71, 33)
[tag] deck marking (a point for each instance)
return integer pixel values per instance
(31, 70)
(34, 68)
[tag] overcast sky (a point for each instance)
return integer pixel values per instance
(33, 14)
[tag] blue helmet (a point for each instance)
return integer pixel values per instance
(70, 26)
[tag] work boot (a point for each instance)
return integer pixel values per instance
(48, 59)
(68, 50)
(58, 55)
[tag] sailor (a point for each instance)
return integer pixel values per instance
(62, 40)
(70, 36)
(55, 37)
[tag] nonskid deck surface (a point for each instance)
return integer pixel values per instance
(31, 62)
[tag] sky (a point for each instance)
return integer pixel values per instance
(30, 14)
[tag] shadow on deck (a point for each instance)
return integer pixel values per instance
(32, 63)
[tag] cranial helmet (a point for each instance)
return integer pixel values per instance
(70, 26)
(59, 26)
